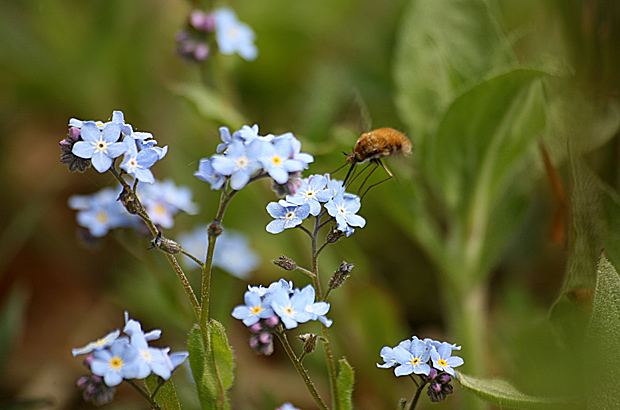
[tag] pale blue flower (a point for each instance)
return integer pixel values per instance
(286, 215)
(233, 36)
(387, 354)
(442, 359)
(318, 310)
(412, 360)
(291, 309)
(98, 344)
(101, 212)
(163, 200)
(287, 406)
(100, 146)
(208, 174)
(240, 162)
(310, 192)
(226, 139)
(137, 164)
(344, 210)
(253, 310)
(116, 363)
(277, 161)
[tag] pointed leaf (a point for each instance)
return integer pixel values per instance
(602, 338)
(345, 381)
(503, 394)
(222, 353)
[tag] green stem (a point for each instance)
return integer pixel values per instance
(144, 393)
(317, 286)
(416, 397)
(301, 370)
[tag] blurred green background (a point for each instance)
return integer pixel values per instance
(325, 69)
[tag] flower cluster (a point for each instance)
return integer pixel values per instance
(232, 251)
(287, 406)
(101, 143)
(314, 191)
(291, 305)
(100, 212)
(414, 355)
(245, 154)
(231, 35)
(116, 357)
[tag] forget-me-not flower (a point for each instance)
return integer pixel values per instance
(137, 164)
(442, 359)
(101, 212)
(98, 344)
(253, 310)
(311, 192)
(287, 215)
(344, 210)
(233, 36)
(276, 160)
(412, 360)
(100, 146)
(291, 309)
(163, 200)
(206, 173)
(115, 364)
(240, 162)
(318, 310)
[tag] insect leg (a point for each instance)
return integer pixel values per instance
(377, 163)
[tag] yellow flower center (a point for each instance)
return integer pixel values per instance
(277, 161)
(116, 363)
(102, 217)
(288, 311)
(256, 310)
(442, 362)
(415, 361)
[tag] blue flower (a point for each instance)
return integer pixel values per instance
(232, 36)
(150, 359)
(287, 215)
(253, 310)
(115, 364)
(412, 360)
(291, 310)
(137, 164)
(98, 344)
(287, 406)
(387, 354)
(240, 162)
(277, 160)
(163, 200)
(100, 146)
(226, 139)
(343, 209)
(317, 310)
(311, 191)
(442, 359)
(232, 252)
(101, 212)
(208, 174)
(296, 153)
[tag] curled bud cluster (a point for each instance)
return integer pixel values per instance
(439, 386)
(94, 390)
(285, 263)
(261, 340)
(72, 161)
(309, 340)
(165, 245)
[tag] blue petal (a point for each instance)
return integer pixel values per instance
(276, 226)
(101, 162)
(84, 149)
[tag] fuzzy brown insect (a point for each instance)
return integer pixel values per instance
(374, 145)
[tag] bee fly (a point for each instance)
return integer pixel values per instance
(374, 145)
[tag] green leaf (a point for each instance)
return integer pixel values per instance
(503, 394)
(166, 395)
(444, 47)
(212, 368)
(480, 165)
(210, 105)
(222, 353)
(602, 339)
(346, 378)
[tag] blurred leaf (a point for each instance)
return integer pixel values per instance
(346, 377)
(444, 47)
(210, 106)
(503, 394)
(602, 338)
(212, 369)
(477, 164)
(12, 320)
(167, 394)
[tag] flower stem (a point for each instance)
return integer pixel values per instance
(301, 370)
(144, 393)
(416, 397)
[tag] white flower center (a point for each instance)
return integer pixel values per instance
(289, 215)
(242, 162)
(341, 210)
(101, 146)
(310, 194)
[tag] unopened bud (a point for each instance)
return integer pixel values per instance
(214, 229)
(340, 275)
(285, 263)
(309, 340)
(130, 201)
(333, 235)
(165, 244)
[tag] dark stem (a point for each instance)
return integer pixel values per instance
(144, 393)
(414, 401)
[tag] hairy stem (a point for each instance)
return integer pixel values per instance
(144, 393)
